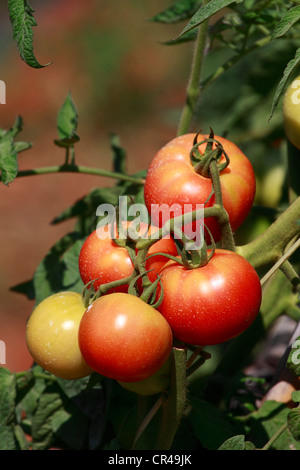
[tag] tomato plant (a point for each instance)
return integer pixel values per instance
(124, 338)
(103, 260)
(197, 352)
(52, 335)
(172, 180)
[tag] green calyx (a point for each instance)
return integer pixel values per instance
(202, 162)
(193, 259)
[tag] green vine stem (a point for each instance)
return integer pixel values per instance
(270, 246)
(70, 168)
(284, 264)
(227, 235)
(291, 274)
(173, 408)
(193, 89)
(274, 438)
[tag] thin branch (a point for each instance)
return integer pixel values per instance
(69, 168)
(281, 261)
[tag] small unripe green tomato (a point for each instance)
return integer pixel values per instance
(156, 383)
(291, 112)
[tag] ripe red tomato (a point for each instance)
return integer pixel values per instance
(172, 180)
(102, 259)
(211, 304)
(52, 335)
(124, 338)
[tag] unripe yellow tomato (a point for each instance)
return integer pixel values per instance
(291, 112)
(272, 186)
(52, 335)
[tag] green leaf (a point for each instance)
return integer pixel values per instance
(71, 279)
(7, 395)
(22, 20)
(17, 127)
(8, 158)
(7, 437)
(205, 12)
(237, 443)
(189, 36)
(7, 409)
(9, 151)
(264, 424)
(180, 10)
(53, 275)
(294, 423)
(293, 361)
(67, 121)
(71, 426)
(22, 146)
(84, 402)
(21, 438)
(296, 396)
(210, 425)
(118, 154)
(25, 288)
(42, 432)
(286, 22)
(88, 204)
(286, 75)
(29, 391)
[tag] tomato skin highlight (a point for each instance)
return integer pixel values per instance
(172, 180)
(211, 304)
(123, 338)
(52, 335)
(103, 260)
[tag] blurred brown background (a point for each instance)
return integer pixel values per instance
(122, 79)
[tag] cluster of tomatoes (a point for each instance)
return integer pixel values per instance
(119, 334)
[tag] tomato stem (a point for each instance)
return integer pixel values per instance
(174, 406)
(270, 246)
(269, 444)
(198, 363)
(195, 353)
(70, 168)
(291, 274)
(223, 218)
(284, 265)
(193, 89)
